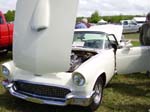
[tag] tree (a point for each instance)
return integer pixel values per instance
(10, 15)
(117, 18)
(94, 17)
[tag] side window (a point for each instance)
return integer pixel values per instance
(107, 44)
(112, 40)
(133, 23)
(125, 23)
(1, 20)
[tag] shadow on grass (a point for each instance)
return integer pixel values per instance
(136, 85)
(131, 89)
(5, 57)
(138, 76)
(130, 108)
(14, 104)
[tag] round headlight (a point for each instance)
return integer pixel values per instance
(78, 79)
(5, 71)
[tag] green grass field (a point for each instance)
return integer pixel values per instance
(125, 93)
(132, 36)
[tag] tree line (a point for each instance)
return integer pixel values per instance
(95, 17)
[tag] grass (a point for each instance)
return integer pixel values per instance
(135, 43)
(132, 36)
(125, 93)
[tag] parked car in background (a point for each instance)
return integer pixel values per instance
(130, 26)
(6, 34)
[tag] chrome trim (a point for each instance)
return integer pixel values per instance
(44, 84)
(42, 97)
(73, 98)
(35, 100)
(7, 85)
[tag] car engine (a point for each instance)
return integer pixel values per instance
(78, 57)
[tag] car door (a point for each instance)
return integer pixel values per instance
(133, 59)
(126, 27)
(133, 27)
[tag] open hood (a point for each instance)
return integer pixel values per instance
(43, 35)
(111, 29)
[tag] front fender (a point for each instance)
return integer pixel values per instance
(94, 67)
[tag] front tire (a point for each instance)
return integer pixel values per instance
(98, 88)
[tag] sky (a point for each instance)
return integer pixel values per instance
(104, 7)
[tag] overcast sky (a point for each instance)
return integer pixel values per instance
(105, 7)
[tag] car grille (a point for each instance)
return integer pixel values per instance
(40, 90)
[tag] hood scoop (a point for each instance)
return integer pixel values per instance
(41, 16)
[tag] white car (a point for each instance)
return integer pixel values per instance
(49, 68)
(96, 56)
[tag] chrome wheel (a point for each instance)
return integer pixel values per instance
(98, 88)
(98, 93)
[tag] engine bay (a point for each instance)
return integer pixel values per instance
(78, 57)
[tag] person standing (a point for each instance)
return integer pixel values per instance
(82, 24)
(145, 32)
(145, 35)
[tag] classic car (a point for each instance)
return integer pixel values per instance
(51, 66)
(97, 54)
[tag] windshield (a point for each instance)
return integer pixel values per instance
(89, 39)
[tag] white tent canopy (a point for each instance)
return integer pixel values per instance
(102, 22)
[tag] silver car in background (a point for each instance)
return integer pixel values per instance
(130, 26)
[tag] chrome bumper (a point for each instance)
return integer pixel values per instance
(73, 98)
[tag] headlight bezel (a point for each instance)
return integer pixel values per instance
(78, 79)
(5, 71)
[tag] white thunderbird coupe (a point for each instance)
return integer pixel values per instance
(51, 67)
(97, 54)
